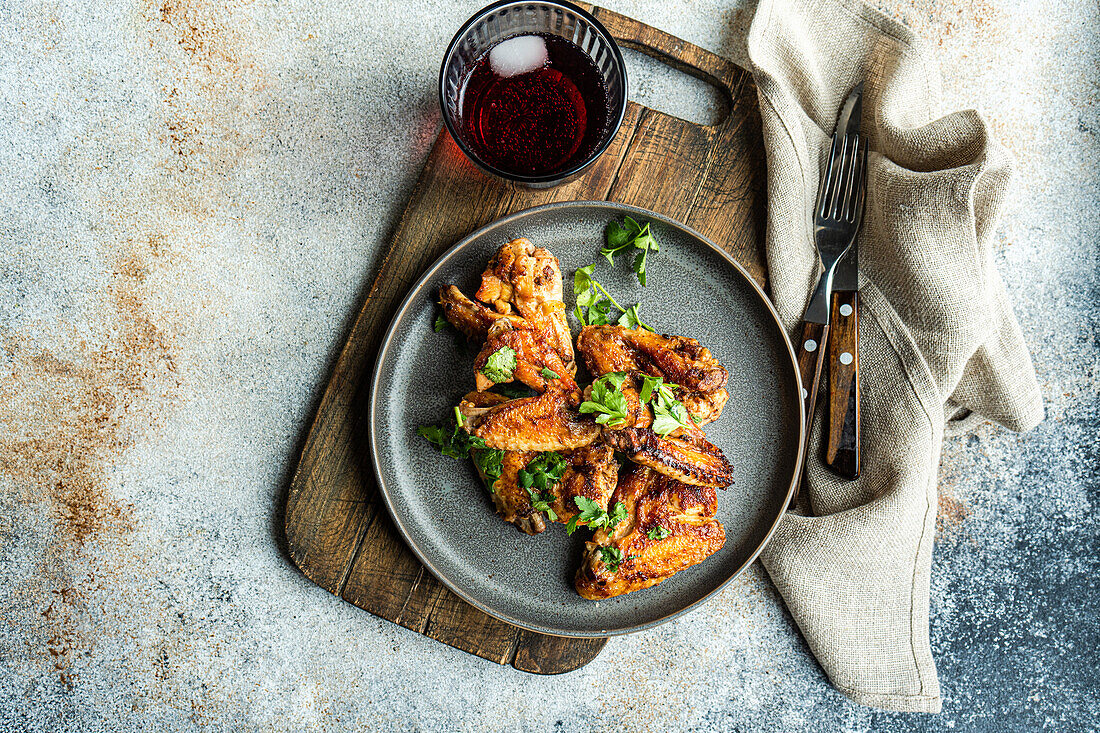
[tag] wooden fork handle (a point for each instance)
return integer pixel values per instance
(842, 444)
(811, 355)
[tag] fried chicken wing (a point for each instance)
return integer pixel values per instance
(670, 526)
(689, 457)
(536, 360)
(541, 423)
(592, 473)
(525, 279)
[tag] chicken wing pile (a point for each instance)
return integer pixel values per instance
(552, 455)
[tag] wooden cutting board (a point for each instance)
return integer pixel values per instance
(337, 528)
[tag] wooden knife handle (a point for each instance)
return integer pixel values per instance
(842, 445)
(811, 355)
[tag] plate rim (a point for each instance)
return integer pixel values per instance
(387, 340)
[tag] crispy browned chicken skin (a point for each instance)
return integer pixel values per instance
(654, 503)
(525, 279)
(689, 457)
(676, 359)
(541, 423)
(593, 473)
(536, 359)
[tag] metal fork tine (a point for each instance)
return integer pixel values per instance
(827, 179)
(836, 203)
(847, 210)
(858, 212)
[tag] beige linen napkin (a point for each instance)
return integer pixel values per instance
(937, 334)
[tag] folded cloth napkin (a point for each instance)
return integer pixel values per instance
(937, 334)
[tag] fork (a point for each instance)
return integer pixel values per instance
(837, 216)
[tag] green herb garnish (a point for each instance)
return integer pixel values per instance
(491, 463)
(457, 443)
(612, 558)
(625, 236)
(668, 412)
(607, 400)
(594, 516)
(658, 532)
(594, 296)
(550, 373)
(454, 443)
(441, 323)
(538, 476)
(500, 365)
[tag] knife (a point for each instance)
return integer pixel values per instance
(842, 444)
(837, 215)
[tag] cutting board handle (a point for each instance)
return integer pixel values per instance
(677, 53)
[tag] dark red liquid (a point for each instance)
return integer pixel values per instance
(540, 122)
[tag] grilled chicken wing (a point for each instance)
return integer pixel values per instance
(541, 423)
(472, 319)
(689, 457)
(525, 279)
(535, 358)
(682, 516)
(592, 473)
(676, 359)
(512, 501)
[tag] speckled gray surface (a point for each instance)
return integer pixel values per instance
(194, 194)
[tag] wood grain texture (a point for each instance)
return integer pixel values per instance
(338, 532)
(842, 443)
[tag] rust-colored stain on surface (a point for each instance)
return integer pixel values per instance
(77, 394)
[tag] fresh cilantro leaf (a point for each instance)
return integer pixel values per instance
(454, 443)
(618, 239)
(500, 365)
(550, 373)
(597, 313)
(441, 323)
(593, 516)
(491, 463)
(612, 558)
(668, 412)
(630, 234)
(538, 476)
(658, 532)
(607, 400)
(631, 318)
(582, 280)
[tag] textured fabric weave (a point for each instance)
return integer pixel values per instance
(937, 334)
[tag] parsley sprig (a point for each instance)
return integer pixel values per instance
(669, 413)
(594, 296)
(607, 400)
(594, 516)
(441, 323)
(630, 234)
(500, 365)
(538, 476)
(459, 444)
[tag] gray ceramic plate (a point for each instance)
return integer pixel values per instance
(445, 514)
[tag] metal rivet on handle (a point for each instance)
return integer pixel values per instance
(845, 310)
(845, 358)
(811, 345)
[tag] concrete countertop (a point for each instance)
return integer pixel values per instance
(194, 194)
